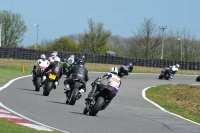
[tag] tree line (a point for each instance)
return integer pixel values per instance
(146, 41)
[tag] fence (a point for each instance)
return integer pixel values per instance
(28, 54)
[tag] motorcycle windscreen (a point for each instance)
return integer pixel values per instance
(52, 76)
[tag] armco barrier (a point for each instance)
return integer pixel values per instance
(30, 54)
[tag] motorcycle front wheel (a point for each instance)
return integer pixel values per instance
(161, 76)
(97, 107)
(85, 111)
(198, 78)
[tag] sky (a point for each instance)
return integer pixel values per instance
(57, 18)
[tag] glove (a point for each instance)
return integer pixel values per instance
(98, 79)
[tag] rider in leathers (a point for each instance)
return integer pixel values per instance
(114, 82)
(172, 70)
(56, 67)
(42, 63)
(77, 71)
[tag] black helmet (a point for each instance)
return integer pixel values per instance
(80, 62)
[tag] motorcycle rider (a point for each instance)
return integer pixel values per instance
(114, 82)
(71, 60)
(42, 62)
(55, 67)
(77, 60)
(77, 71)
(53, 55)
(172, 70)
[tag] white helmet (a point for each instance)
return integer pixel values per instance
(114, 70)
(43, 56)
(177, 65)
(72, 56)
(57, 59)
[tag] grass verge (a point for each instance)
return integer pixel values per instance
(181, 99)
(11, 127)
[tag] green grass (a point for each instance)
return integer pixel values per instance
(10, 127)
(181, 99)
(11, 72)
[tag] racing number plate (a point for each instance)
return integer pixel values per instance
(52, 76)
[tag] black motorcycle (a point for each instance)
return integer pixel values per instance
(38, 78)
(49, 83)
(99, 99)
(198, 78)
(124, 70)
(164, 74)
(74, 94)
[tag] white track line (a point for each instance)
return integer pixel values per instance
(37, 125)
(144, 96)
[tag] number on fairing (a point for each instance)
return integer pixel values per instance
(116, 80)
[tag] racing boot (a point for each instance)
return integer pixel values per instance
(55, 84)
(67, 88)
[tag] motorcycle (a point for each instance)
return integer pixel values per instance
(74, 94)
(124, 70)
(198, 78)
(164, 74)
(98, 100)
(38, 78)
(49, 83)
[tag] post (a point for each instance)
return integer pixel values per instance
(181, 47)
(36, 25)
(163, 28)
(0, 34)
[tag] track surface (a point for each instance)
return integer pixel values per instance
(129, 112)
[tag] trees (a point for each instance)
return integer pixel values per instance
(13, 28)
(146, 41)
(63, 44)
(173, 49)
(95, 39)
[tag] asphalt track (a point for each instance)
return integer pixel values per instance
(129, 112)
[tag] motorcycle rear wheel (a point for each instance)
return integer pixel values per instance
(73, 96)
(37, 83)
(167, 77)
(97, 107)
(48, 88)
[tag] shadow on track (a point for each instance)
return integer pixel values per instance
(25, 89)
(83, 114)
(56, 102)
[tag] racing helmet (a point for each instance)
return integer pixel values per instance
(53, 55)
(43, 57)
(80, 62)
(72, 56)
(114, 70)
(177, 65)
(83, 56)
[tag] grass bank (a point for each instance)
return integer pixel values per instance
(181, 99)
